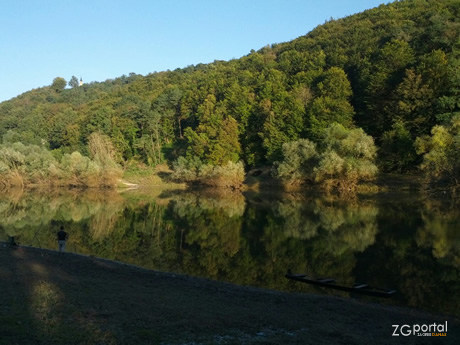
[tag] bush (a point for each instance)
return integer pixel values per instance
(230, 175)
(12, 167)
(186, 169)
(441, 153)
(347, 159)
(23, 165)
(192, 170)
(300, 157)
(343, 158)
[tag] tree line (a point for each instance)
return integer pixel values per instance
(391, 72)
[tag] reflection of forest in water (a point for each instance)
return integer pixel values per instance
(404, 242)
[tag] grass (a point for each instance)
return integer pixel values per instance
(146, 176)
(51, 298)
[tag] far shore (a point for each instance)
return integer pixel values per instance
(61, 298)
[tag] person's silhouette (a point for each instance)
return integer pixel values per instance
(62, 238)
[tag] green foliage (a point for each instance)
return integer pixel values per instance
(348, 157)
(73, 82)
(193, 170)
(58, 84)
(392, 70)
(398, 151)
(11, 137)
(28, 165)
(101, 149)
(299, 159)
(24, 164)
(229, 175)
(186, 169)
(441, 153)
(78, 169)
(343, 158)
(215, 140)
(332, 104)
(283, 123)
(383, 75)
(415, 99)
(11, 158)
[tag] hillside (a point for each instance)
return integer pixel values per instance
(392, 71)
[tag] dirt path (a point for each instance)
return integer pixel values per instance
(52, 298)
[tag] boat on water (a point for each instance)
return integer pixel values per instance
(363, 289)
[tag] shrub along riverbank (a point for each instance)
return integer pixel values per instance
(54, 298)
(31, 165)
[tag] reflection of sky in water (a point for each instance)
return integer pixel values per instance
(403, 243)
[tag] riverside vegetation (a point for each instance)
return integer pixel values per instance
(373, 92)
(376, 91)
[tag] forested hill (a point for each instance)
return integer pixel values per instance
(392, 71)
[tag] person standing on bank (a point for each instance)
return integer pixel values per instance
(62, 238)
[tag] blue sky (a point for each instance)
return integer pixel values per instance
(103, 39)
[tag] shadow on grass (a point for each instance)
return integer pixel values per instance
(72, 299)
(42, 305)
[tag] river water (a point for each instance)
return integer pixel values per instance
(405, 241)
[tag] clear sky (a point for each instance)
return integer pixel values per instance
(104, 39)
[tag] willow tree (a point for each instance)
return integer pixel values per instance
(347, 158)
(343, 158)
(441, 153)
(103, 153)
(299, 159)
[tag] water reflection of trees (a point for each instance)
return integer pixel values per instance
(417, 253)
(255, 244)
(348, 225)
(209, 228)
(407, 244)
(318, 236)
(440, 231)
(33, 217)
(440, 236)
(18, 213)
(193, 205)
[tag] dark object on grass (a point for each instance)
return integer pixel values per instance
(362, 289)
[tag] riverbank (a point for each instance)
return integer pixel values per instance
(51, 298)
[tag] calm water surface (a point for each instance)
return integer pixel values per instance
(407, 241)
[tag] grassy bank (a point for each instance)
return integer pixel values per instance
(52, 298)
(144, 176)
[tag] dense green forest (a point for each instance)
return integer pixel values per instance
(385, 82)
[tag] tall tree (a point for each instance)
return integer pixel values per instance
(58, 84)
(215, 140)
(332, 104)
(387, 72)
(73, 82)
